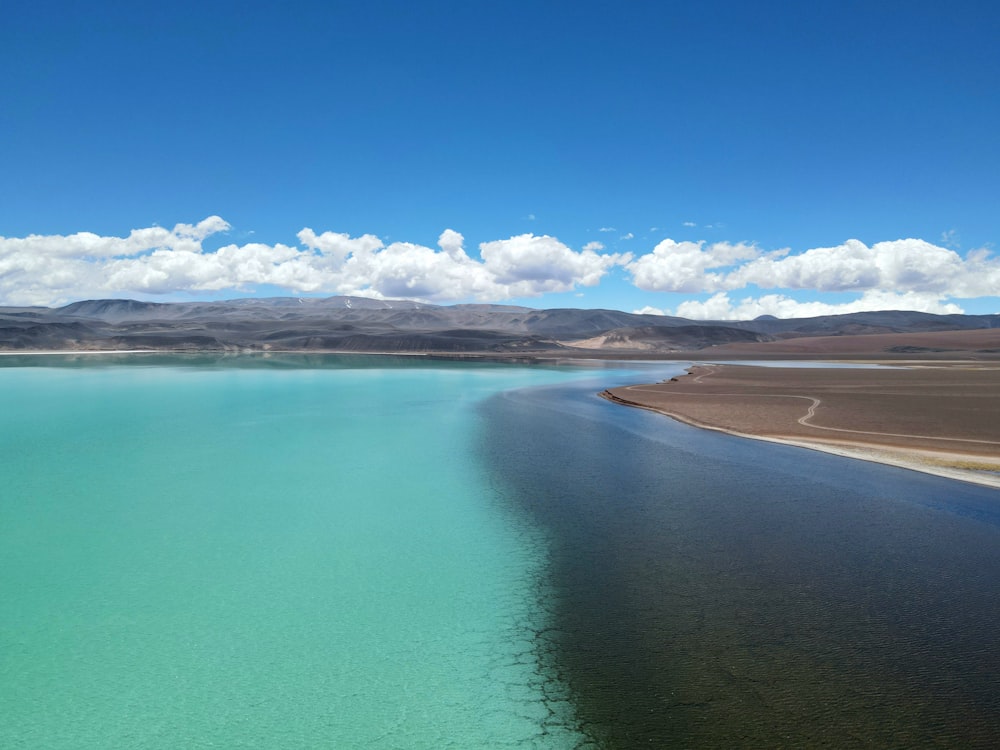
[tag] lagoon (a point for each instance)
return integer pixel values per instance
(391, 552)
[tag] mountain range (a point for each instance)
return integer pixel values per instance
(357, 324)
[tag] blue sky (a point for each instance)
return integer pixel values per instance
(721, 155)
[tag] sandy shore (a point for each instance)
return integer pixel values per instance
(940, 419)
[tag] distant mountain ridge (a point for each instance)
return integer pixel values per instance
(359, 324)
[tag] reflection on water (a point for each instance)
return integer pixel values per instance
(709, 591)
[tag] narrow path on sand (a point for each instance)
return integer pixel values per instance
(806, 420)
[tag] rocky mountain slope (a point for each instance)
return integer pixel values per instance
(365, 325)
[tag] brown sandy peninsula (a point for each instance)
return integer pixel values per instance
(942, 418)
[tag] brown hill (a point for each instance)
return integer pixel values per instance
(359, 324)
(963, 344)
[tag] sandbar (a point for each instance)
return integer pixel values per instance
(939, 418)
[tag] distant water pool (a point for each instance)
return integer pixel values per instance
(302, 552)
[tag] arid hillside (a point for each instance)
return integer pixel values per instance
(355, 324)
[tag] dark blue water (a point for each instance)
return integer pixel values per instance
(711, 591)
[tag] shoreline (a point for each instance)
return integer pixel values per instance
(935, 455)
(859, 451)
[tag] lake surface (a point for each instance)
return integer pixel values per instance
(300, 552)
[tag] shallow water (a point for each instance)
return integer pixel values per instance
(273, 554)
(295, 552)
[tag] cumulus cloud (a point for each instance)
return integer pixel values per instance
(908, 274)
(55, 269)
(335, 247)
(907, 265)
(89, 246)
(544, 263)
(905, 274)
(721, 307)
(687, 266)
(649, 310)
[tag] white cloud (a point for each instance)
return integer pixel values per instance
(900, 265)
(627, 236)
(687, 266)
(544, 264)
(720, 307)
(336, 247)
(203, 228)
(56, 269)
(690, 224)
(87, 245)
(453, 244)
(910, 274)
(904, 274)
(647, 310)
(607, 229)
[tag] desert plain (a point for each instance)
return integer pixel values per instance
(938, 417)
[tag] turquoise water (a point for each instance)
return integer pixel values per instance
(360, 552)
(199, 555)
